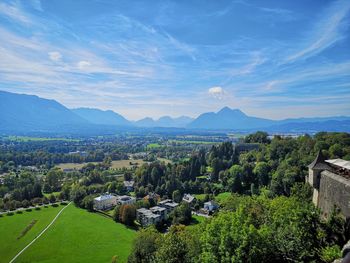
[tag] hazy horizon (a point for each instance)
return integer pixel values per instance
(273, 60)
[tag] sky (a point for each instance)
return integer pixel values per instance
(273, 59)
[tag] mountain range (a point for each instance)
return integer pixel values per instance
(29, 113)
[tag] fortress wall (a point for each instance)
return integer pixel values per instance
(334, 190)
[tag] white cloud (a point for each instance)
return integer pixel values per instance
(55, 56)
(83, 64)
(217, 92)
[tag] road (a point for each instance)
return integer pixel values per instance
(42, 232)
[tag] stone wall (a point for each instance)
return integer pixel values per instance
(334, 190)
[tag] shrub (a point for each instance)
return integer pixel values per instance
(329, 254)
(64, 203)
(10, 214)
(37, 208)
(19, 212)
(46, 206)
(54, 205)
(28, 209)
(0, 215)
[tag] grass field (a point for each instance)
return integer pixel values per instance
(153, 146)
(80, 236)
(53, 193)
(196, 220)
(200, 196)
(222, 197)
(11, 228)
(76, 166)
(127, 164)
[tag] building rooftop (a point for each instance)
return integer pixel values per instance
(340, 163)
(129, 183)
(165, 201)
(211, 203)
(319, 162)
(157, 208)
(188, 198)
(147, 213)
(104, 197)
(125, 198)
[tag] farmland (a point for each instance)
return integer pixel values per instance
(120, 164)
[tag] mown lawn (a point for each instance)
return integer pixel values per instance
(196, 221)
(80, 236)
(11, 228)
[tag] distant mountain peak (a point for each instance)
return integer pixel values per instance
(234, 112)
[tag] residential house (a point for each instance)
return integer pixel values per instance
(190, 199)
(125, 200)
(105, 201)
(168, 204)
(155, 214)
(211, 206)
(146, 217)
(158, 210)
(129, 185)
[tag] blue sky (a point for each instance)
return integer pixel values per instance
(273, 59)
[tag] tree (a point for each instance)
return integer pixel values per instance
(127, 214)
(182, 214)
(52, 179)
(52, 198)
(77, 194)
(177, 196)
(145, 246)
(88, 203)
(174, 247)
(258, 137)
(261, 171)
(116, 213)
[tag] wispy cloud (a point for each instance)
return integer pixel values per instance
(14, 12)
(139, 64)
(326, 32)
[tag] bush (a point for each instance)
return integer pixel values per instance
(0, 215)
(28, 209)
(10, 214)
(37, 208)
(64, 203)
(45, 206)
(329, 254)
(19, 212)
(54, 205)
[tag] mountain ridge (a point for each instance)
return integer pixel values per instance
(22, 112)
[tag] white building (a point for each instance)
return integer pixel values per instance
(104, 202)
(189, 199)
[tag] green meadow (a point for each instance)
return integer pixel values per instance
(76, 236)
(12, 227)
